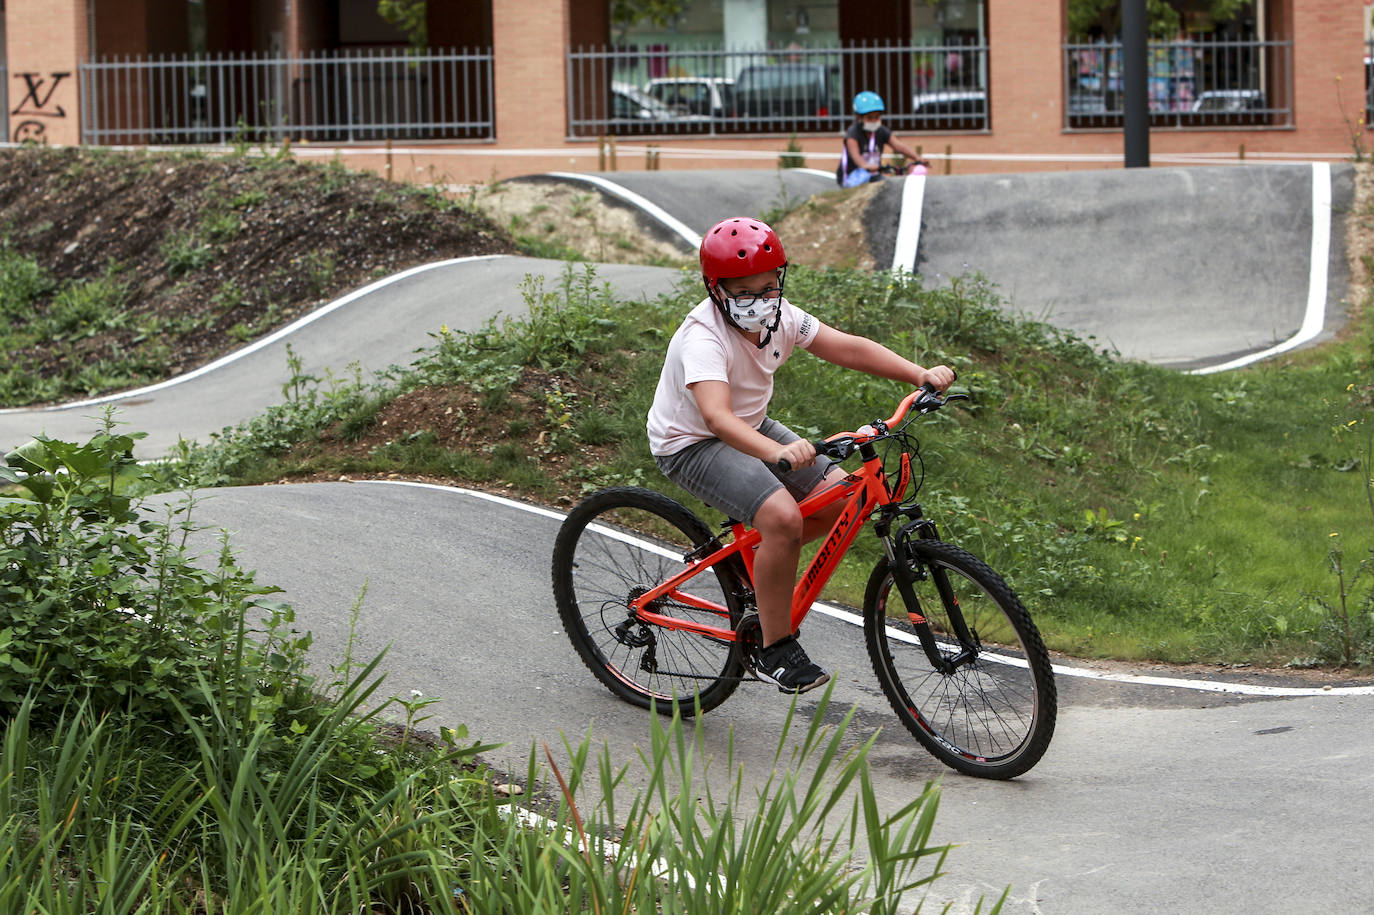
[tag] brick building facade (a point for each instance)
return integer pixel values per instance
(47, 41)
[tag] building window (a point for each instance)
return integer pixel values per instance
(1210, 63)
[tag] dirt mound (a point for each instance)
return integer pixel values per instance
(828, 230)
(551, 217)
(212, 252)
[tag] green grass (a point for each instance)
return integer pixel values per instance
(1140, 512)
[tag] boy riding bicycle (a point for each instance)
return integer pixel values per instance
(710, 433)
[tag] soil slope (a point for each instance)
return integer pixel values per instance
(215, 251)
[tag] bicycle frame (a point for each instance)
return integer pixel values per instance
(866, 490)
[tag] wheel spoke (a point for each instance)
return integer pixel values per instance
(621, 544)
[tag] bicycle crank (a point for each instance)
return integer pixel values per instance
(749, 639)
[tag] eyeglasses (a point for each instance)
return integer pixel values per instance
(750, 298)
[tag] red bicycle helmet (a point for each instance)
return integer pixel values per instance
(739, 246)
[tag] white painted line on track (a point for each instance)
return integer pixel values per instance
(674, 224)
(256, 345)
(853, 619)
(1316, 282)
(474, 493)
(818, 172)
(610, 849)
(909, 224)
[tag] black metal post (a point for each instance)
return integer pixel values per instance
(1134, 83)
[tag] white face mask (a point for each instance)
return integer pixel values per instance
(751, 312)
(871, 126)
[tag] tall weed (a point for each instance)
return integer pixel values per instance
(811, 838)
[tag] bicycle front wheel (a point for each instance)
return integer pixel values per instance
(993, 714)
(618, 544)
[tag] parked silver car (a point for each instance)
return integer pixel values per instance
(630, 103)
(713, 96)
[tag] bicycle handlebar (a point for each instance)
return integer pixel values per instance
(907, 169)
(841, 445)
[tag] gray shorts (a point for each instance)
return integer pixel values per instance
(734, 482)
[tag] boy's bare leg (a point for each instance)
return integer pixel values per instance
(783, 531)
(779, 523)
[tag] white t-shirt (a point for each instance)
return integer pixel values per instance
(708, 348)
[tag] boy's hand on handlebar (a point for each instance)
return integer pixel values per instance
(940, 377)
(796, 454)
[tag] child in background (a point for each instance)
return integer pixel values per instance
(864, 143)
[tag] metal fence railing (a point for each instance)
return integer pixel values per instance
(335, 96)
(1203, 82)
(656, 90)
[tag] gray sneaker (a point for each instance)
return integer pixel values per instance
(786, 666)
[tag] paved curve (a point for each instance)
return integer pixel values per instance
(377, 326)
(673, 202)
(1149, 800)
(1159, 263)
(1186, 267)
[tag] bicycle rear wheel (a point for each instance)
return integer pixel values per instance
(992, 716)
(616, 545)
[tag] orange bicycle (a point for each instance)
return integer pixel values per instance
(662, 610)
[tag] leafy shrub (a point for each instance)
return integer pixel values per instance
(101, 603)
(221, 225)
(563, 327)
(319, 269)
(238, 452)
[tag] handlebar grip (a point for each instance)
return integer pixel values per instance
(930, 389)
(785, 466)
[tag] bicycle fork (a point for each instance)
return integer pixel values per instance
(906, 571)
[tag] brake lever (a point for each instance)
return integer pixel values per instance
(936, 401)
(836, 449)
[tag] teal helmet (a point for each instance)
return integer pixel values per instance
(868, 102)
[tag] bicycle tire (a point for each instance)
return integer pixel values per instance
(992, 717)
(622, 541)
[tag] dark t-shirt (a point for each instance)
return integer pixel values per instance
(869, 143)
